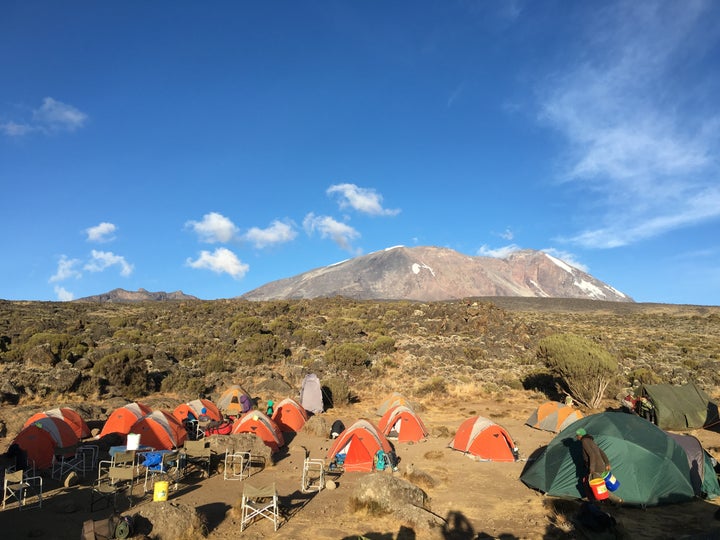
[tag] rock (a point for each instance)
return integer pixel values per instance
(330, 484)
(394, 495)
(168, 521)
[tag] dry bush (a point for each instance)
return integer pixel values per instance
(419, 478)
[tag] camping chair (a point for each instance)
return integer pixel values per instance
(313, 475)
(168, 466)
(259, 502)
(237, 465)
(198, 453)
(67, 459)
(112, 481)
(17, 486)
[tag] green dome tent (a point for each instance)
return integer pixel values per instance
(651, 467)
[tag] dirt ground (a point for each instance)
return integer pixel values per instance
(475, 499)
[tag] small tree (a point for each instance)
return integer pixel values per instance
(584, 366)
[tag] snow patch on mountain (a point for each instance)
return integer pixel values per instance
(416, 267)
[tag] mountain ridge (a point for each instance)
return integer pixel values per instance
(435, 274)
(141, 295)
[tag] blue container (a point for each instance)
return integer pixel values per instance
(610, 481)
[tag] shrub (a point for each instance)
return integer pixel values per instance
(124, 369)
(384, 344)
(347, 356)
(260, 348)
(585, 367)
(336, 392)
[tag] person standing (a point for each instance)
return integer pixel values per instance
(596, 461)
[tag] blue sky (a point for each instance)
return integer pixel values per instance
(211, 147)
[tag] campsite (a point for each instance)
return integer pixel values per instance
(462, 495)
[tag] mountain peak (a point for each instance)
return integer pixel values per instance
(435, 273)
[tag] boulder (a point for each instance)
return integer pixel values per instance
(168, 520)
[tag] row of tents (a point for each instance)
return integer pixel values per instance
(653, 466)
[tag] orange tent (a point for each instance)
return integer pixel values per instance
(122, 418)
(402, 422)
(71, 417)
(553, 416)
(289, 415)
(359, 443)
(38, 444)
(234, 401)
(484, 439)
(195, 407)
(258, 423)
(42, 437)
(160, 430)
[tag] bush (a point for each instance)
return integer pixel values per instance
(347, 356)
(124, 369)
(336, 392)
(584, 366)
(384, 344)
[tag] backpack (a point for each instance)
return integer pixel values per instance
(379, 461)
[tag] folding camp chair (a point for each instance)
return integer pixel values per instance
(313, 475)
(237, 465)
(67, 459)
(169, 466)
(19, 487)
(198, 453)
(111, 482)
(259, 503)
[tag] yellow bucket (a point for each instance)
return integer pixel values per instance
(160, 493)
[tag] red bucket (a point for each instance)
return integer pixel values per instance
(599, 489)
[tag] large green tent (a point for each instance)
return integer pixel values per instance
(651, 467)
(680, 407)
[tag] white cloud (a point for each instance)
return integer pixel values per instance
(363, 200)
(66, 270)
(63, 295)
(277, 233)
(101, 233)
(57, 116)
(640, 142)
(105, 259)
(499, 253)
(507, 234)
(13, 129)
(51, 117)
(214, 228)
(221, 261)
(340, 233)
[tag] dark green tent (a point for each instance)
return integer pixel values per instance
(680, 407)
(651, 467)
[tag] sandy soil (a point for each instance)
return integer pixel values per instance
(477, 499)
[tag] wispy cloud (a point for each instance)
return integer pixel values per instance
(641, 146)
(214, 228)
(221, 261)
(66, 270)
(51, 117)
(101, 233)
(277, 233)
(364, 200)
(63, 294)
(498, 253)
(341, 233)
(102, 260)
